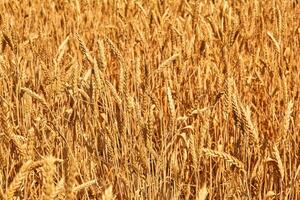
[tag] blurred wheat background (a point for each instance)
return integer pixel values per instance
(137, 99)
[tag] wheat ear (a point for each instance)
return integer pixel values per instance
(48, 173)
(287, 117)
(69, 171)
(226, 157)
(35, 96)
(84, 185)
(102, 62)
(21, 175)
(108, 194)
(278, 161)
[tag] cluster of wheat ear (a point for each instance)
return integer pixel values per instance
(160, 99)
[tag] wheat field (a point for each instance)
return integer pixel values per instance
(158, 99)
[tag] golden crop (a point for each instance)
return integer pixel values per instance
(137, 99)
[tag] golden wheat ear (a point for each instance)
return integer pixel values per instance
(108, 194)
(35, 96)
(69, 173)
(20, 176)
(49, 170)
(226, 157)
